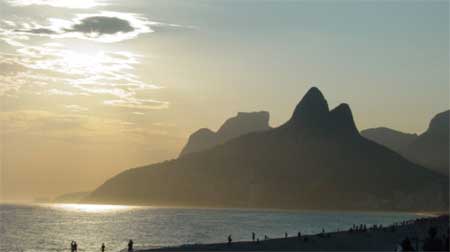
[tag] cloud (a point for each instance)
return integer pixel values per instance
(72, 4)
(104, 73)
(164, 124)
(39, 31)
(14, 76)
(102, 25)
(9, 67)
(76, 108)
(105, 26)
(60, 92)
(71, 126)
(35, 121)
(108, 75)
(135, 103)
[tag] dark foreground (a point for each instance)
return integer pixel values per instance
(370, 239)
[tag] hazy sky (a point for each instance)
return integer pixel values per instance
(91, 88)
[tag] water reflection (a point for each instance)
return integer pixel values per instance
(51, 227)
(92, 208)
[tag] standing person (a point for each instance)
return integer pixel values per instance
(432, 243)
(103, 247)
(130, 245)
(229, 240)
(253, 236)
(75, 246)
(299, 234)
(406, 245)
(285, 235)
(72, 246)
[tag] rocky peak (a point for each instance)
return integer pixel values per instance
(311, 111)
(440, 123)
(342, 120)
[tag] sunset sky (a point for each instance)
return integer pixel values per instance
(91, 88)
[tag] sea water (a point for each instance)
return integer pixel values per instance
(51, 227)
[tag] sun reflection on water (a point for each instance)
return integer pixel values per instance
(93, 208)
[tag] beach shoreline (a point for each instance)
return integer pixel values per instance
(366, 239)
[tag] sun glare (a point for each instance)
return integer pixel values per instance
(92, 208)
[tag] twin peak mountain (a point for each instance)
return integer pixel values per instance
(316, 160)
(311, 113)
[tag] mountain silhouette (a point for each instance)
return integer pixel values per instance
(241, 124)
(316, 160)
(393, 139)
(430, 149)
(73, 197)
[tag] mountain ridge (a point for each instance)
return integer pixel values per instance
(430, 149)
(241, 124)
(316, 160)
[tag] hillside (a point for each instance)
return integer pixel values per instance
(73, 197)
(429, 149)
(393, 139)
(316, 160)
(239, 125)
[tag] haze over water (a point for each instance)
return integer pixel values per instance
(51, 227)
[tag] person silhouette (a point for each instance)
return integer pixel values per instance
(75, 246)
(72, 246)
(406, 245)
(229, 239)
(285, 235)
(253, 236)
(432, 243)
(323, 233)
(299, 234)
(103, 247)
(130, 245)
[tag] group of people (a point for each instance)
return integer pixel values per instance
(434, 243)
(358, 228)
(431, 243)
(74, 246)
(254, 239)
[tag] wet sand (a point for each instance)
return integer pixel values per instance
(385, 239)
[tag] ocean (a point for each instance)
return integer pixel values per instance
(51, 227)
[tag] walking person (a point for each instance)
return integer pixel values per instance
(103, 247)
(130, 245)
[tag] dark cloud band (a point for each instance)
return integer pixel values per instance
(101, 25)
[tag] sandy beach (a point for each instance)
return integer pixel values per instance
(372, 239)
